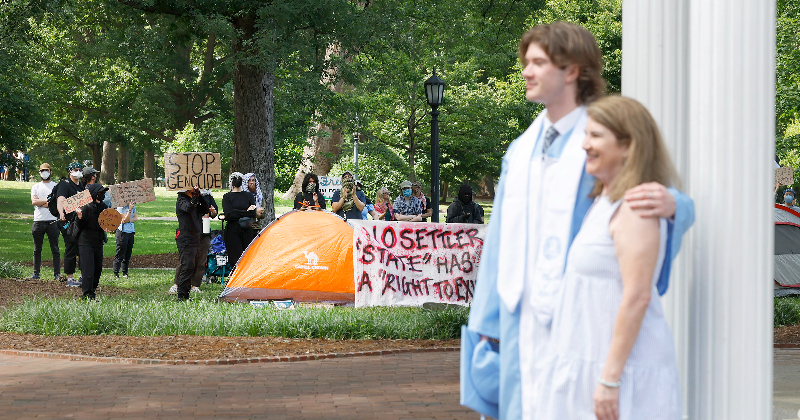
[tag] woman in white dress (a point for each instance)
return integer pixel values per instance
(611, 354)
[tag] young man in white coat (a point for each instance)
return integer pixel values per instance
(540, 202)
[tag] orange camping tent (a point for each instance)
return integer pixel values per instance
(304, 255)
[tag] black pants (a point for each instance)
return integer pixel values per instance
(191, 261)
(38, 230)
(236, 241)
(124, 251)
(202, 252)
(70, 250)
(91, 268)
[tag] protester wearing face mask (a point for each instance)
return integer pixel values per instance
(44, 223)
(254, 187)
(788, 199)
(407, 208)
(311, 196)
(91, 239)
(348, 202)
(464, 209)
(66, 189)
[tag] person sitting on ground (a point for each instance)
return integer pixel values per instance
(124, 236)
(254, 187)
(240, 211)
(348, 202)
(407, 208)
(788, 198)
(310, 196)
(427, 207)
(383, 204)
(369, 208)
(463, 209)
(44, 223)
(91, 239)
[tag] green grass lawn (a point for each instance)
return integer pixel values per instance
(152, 236)
(150, 311)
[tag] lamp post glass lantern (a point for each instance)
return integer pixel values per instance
(434, 92)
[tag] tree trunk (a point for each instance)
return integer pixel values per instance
(253, 101)
(149, 164)
(97, 154)
(320, 150)
(487, 186)
(106, 176)
(318, 156)
(412, 146)
(444, 191)
(123, 169)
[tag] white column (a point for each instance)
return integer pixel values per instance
(655, 71)
(705, 68)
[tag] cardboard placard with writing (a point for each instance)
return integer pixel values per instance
(78, 200)
(184, 171)
(329, 185)
(409, 264)
(140, 191)
(109, 219)
(784, 176)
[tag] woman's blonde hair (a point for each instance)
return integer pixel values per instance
(379, 195)
(648, 159)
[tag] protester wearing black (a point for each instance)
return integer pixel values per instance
(202, 250)
(91, 240)
(311, 195)
(463, 209)
(190, 208)
(238, 206)
(66, 189)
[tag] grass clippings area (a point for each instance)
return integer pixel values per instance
(202, 348)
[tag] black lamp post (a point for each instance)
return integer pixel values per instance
(434, 91)
(355, 153)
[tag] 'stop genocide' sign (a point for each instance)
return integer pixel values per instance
(140, 191)
(185, 171)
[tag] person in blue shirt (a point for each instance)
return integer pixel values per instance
(125, 234)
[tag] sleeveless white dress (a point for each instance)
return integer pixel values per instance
(583, 324)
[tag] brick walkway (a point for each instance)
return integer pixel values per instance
(402, 386)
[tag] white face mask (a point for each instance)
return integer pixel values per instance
(76, 174)
(45, 174)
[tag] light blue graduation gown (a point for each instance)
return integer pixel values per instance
(489, 317)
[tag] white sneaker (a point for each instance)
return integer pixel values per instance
(196, 289)
(173, 290)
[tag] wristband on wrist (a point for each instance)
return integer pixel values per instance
(609, 384)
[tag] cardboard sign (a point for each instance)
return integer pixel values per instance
(109, 219)
(784, 176)
(76, 201)
(184, 171)
(329, 185)
(409, 264)
(140, 191)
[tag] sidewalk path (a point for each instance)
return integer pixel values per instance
(786, 384)
(403, 386)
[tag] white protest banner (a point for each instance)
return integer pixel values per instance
(140, 191)
(408, 263)
(784, 176)
(329, 185)
(185, 171)
(78, 200)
